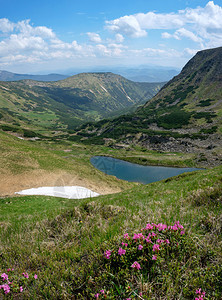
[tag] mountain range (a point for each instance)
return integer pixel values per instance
(141, 73)
(185, 115)
(9, 76)
(137, 73)
(70, 102)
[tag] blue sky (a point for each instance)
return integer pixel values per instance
(53, 35)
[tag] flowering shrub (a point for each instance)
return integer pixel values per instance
(201, 295)
(13, 283)
(145, 254)
(153, 242)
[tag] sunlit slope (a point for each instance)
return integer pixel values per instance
(25, 164)
(70, 102)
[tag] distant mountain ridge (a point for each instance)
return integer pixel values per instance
(68, 103)
(9, 76)
(138, 73)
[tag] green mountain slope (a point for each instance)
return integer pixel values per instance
(70, 102)
(186, 114)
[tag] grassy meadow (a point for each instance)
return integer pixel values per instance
(54, 247)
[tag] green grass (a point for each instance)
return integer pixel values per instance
(63, 240)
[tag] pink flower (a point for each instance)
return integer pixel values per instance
(102, 291)
(156, 247)
(149, 226)
(107, 254)
(154, 257)
(182, 232)
(121, 251)
(4, 276)
(148, 240)
(21, 289)
(126, 236)
(8, 270)
(97, 296)
(167, 241)
(138, 236)
(198, 292)
(159, 241)
(136, 265)
(161, 226)
(140, 247)
(6, 288)
(35, 276)
(124, 244)
(25, 275)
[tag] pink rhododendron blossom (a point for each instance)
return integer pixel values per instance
(126, 236)
(161, 226)
(35, 276)
(136, 265)
(4, 276)
(124, 244)
(167, 241)
(26, 275)
(107, 254)
(182, 232)
(156, 247)
(5, 287)
(140, 247)
(21, 289)
(138, 236)
(148, 240)
(149, 226)
(102, 291)
(121, 251)
(97, 295)
(159, 241)
(154, 257)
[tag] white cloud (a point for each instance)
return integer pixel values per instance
(26, 29)
(127, 25)
(6, 25)
(166, 35)
(182, 32)
(189, 51)
(202, 25)
(192, 28)
(119, 38)
(94, 37)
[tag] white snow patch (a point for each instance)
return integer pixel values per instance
(70, 192)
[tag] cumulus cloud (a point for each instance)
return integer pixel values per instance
(201, 25)
(94, 37)
(6, 25)
(182, 32)
(119, 38)
(127, 25)
(23, 42)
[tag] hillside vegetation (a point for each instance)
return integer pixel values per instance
(72, 246)
(185, 115)
(64, 104)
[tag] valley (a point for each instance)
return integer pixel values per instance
(160, 240)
